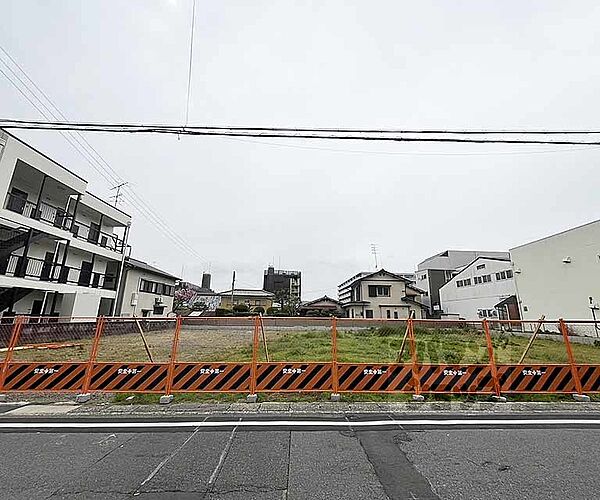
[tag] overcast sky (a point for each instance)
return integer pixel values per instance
(309, 205)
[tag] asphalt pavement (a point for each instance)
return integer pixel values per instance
(278, 457)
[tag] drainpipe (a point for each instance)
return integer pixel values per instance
(119, 300)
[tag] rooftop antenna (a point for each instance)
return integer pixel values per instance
(117, 196)
(374, 252)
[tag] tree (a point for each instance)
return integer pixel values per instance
(289, 305)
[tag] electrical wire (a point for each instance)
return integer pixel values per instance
(83, 147)
(281, 133)
(189, 83)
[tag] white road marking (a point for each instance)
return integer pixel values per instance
(164, 462)
(296, 423)
(213, 476)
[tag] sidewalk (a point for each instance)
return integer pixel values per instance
(68, 408)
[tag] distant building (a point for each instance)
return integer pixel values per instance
(252, 298)
(276, 279)
(484, 288)
(321, 306)
(380, 294)
(559, 276)
(145, 290)
(435, 271)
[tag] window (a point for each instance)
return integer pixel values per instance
(478, 280)
(459, 283)
(389, 314)
(369, 313)
(379, 291)
(467, 282)
(481, 266)
(487, 278)
(423, 277)
(145, 286)
(503, 275)
(395, 314)
(157, 288)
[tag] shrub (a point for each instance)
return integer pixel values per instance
(259, 309)
(271, 311)
(241, 308)
(221, 311)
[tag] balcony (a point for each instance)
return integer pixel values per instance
(60, 218)
(42, 270)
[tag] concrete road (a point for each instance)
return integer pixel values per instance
(290, 460)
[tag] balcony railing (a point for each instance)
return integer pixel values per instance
(58, 217)
(43, 270)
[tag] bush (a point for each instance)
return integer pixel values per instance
(221, 311)
(241, 308)
(271, 311)
(259, 309)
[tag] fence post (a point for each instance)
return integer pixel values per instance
(85, 395)
(14, 339)
(335, 395)
(579, 396)
(417, 396)
(167, 397)
(492, 358)
(252, 398)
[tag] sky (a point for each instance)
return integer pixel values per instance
(303, 204)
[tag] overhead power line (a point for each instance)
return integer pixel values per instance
(48, 109)
(337, 134)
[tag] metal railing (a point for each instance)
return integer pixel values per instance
(60, 218)
(33, 268)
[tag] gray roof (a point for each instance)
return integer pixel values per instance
(455, 259)
(138, 264)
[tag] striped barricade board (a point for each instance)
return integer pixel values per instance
(44, 376)
(456, 379)
(211, 377)
(294, 377)
(536, 379)
(368, 377)
(129, 377)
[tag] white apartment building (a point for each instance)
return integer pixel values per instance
(559, 276)
(61, 248)
(435, 271)
(481, 290)
(380, 294)
(145, 290)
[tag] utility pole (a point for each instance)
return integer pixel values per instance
(374, 252)
(232, 288)
(117, 196)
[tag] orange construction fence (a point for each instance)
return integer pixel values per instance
(281, 355)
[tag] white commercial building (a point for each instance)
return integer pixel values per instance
(61, 248)
(482, 289)
(559, 276)
(435, 271)
(380, 294)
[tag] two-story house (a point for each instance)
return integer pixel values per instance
(61, 248)
(380, 294)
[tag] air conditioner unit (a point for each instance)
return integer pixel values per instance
(134, 299)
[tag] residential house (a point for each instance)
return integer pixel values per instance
(482, 289)
(61, 248)
(193, 296)
(252, 298)
(380, 294)
(435, 271)
(322, 306)
(145, 290)
(558, 276)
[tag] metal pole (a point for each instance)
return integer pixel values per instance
(491, 356)
(574, 372)
(118, 305)
(415, 360)
(334, 358)
(14, 338)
